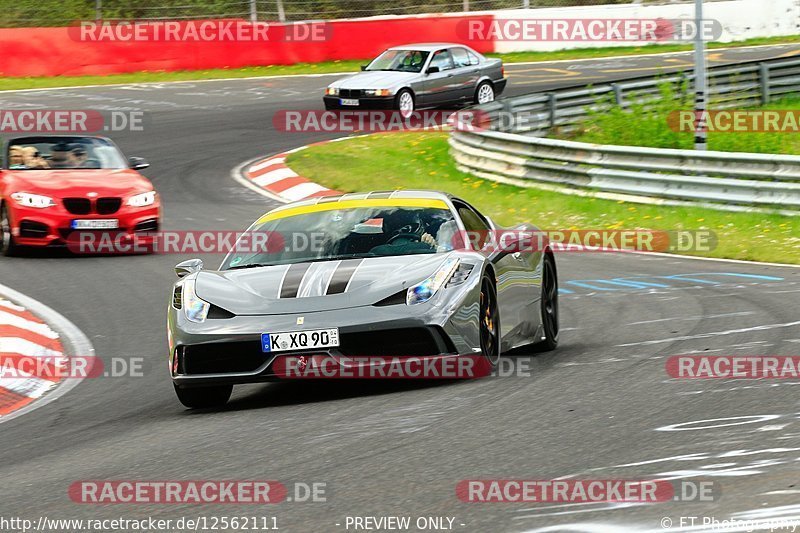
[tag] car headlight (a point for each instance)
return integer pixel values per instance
(142, 200)
(33, 200)
(378, 92)
(196, 310)
(426, 289)
(332, 91)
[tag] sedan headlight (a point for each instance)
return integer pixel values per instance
(378, 92)
(196, 309)
(426, 289)
(332, 91)
(37, 201)
(142, 200)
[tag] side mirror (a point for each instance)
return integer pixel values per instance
(188, 267)
(138, 163)
(364, 67)
(432, 70)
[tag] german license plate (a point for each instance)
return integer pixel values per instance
(106, 223)
(348, 101)
(300, 340)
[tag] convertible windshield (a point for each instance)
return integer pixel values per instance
(400, 61)
(359, 232)
(56, 153)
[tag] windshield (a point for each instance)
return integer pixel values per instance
(351, 233)
(400, 61)
(48, 153)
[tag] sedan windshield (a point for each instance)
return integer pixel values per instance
(359, 232)
(56, 153)
(400, 61)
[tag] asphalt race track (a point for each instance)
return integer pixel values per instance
(599, 407)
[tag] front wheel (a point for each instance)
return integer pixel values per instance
(204, 397)
(484, 93)
(549, 305)
(7, 245)
(489, 322)
(404, 102)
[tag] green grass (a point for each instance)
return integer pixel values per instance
(9, 83)
(651, 128)
(612, 51)
(422, 161)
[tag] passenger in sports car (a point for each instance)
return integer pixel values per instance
(16, 158)
(32, 159)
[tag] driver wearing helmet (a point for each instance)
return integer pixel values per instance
(405, 234)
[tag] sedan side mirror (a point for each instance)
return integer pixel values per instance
(432, 70)
(188, 267)
(364, 67)
(138, 163)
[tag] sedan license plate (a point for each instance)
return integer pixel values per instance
(348, 101)
(299, 340)
(106, 223)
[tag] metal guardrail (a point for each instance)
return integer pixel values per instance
(513, 151)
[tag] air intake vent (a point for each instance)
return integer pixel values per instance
(461, 274)
(177, 297)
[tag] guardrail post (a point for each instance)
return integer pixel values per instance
(618, 96)
(764, 78)
(552, 109)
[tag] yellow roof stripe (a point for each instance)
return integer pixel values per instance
(351, 204)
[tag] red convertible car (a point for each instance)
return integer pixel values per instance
(54, 188)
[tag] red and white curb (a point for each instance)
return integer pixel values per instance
(29, 329)
(273, 176)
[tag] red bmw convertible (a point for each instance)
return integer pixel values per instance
(54, 188)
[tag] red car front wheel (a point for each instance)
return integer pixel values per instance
(7, 245)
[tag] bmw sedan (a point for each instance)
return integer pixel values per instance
(417, 76)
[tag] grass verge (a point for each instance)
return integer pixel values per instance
(613, 125)
(422, 161)
(8, 84)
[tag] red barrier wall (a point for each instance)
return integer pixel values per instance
(59, 51)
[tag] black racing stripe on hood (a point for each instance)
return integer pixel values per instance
(342, 276)
(294, 276)
(380, 194)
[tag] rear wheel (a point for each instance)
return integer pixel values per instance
(489, 321)
(485, 93)
(549, 305)
(7, 245)
(204, 397)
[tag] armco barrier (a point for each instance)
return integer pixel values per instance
(512, 150)
(57, 52)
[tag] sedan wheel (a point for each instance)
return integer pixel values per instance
(489, 322)
(485, 93)
(405, 103)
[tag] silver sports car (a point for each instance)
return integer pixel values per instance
(415, 76)
(395, 274)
